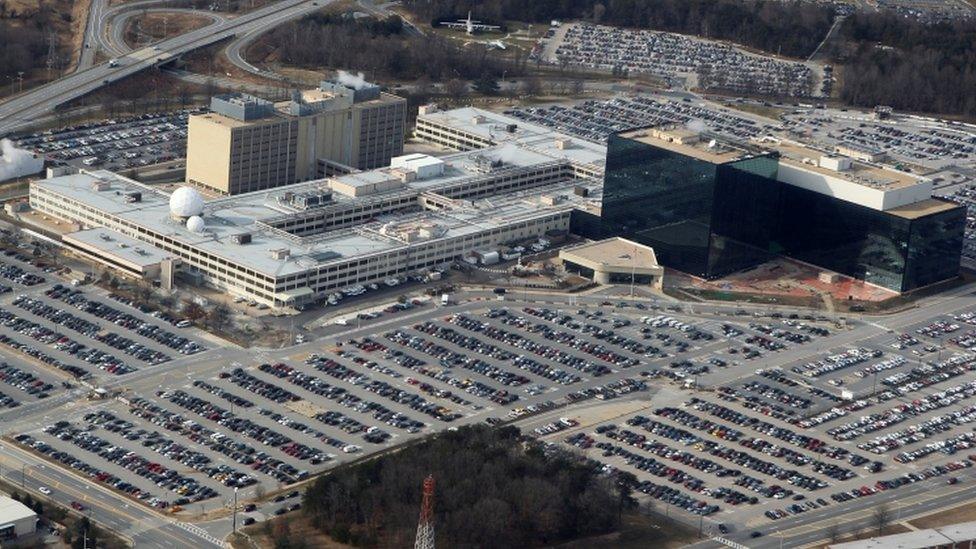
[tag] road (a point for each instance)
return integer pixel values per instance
(27, 107)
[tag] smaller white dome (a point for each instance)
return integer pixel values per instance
(186, 202)
(196, 224)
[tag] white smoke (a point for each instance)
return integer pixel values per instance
(16, 162)
(354, 81)
(696, 125)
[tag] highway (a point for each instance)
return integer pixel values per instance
(27, 107)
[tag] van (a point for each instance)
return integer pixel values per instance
(445, 300)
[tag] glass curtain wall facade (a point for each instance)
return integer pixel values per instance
(702, 218)
(710, 220)
(659, 198)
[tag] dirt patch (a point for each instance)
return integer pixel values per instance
(271, 533)
(156, 26)
(211, 61)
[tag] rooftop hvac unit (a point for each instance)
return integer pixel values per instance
(133, 196)
(280, 253)
(241, 238)
(100, 185)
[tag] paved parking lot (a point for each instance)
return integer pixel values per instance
(708, 64)
(595, 120)
(114, 144)
(742, 419)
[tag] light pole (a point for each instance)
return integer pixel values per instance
(235, 510)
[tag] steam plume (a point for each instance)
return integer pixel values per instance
(354, 81)
(16, 162)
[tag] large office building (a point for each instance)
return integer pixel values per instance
(710, 208)
(247, 144)
(298, 244)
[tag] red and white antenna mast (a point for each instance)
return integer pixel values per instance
(425, 527)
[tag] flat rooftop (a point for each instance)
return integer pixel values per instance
(13, 510)
(944, 536)
(681, 142)
(864, 174)
(923, 208)
(614, 252)
(495, 126)
(231, 216)
(119, 246)
(229, 122)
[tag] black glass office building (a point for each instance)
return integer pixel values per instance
(710, 219)
(700, 217)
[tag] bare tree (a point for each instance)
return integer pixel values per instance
(578, 86)
(881, 516)
(833, 532)
(531, 87)
(456, 88)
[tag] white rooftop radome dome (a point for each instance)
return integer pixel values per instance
(185, 202)
(196, 224)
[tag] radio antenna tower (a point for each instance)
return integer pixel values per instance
(425, 527)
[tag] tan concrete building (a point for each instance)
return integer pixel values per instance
(248, 144)
(614, 261)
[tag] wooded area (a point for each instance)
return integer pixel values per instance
(790, 28)
(23, 44)
(493, 489)
(380, 49)
(889, 60)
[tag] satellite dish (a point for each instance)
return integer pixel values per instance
(196, 224)
(186, 202)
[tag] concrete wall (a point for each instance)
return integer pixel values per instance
(850, 191)
(208, 153)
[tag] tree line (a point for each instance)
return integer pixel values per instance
(380, 49)
(494, 488)
(24, 46)
(909, 65)
(790, 28)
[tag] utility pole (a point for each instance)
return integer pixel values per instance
(425, 526)
(235, 510)
(633, 271)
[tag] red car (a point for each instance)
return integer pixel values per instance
(77, 506)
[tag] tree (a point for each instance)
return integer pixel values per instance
(193, 311)
(598, 11)
(531, 87)
(881, 516)
(833, 532)
(456, 88)
(219, 316)
(577, 87)
(486, 84)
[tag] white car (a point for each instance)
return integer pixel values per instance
(45, 490)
